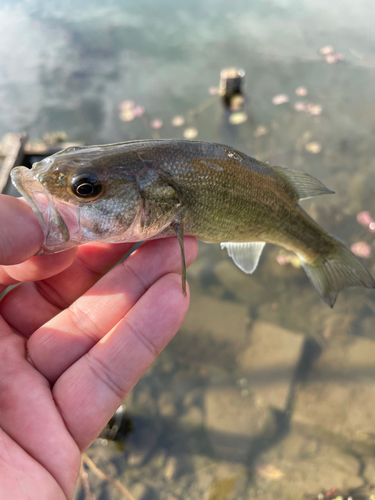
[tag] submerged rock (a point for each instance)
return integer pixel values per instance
(245, 288)
(140, 491)
(269, 363)
(339, 397)
(171, 469)
(224, 319)
(192, 418)
(306, 465)
(233, 421)
(166, 404)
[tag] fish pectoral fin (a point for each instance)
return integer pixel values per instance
(304, 185)
(245, 255)
(177, 226)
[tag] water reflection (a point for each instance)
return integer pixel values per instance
(265, 393)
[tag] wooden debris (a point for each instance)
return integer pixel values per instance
(13, 158)
(99, 473)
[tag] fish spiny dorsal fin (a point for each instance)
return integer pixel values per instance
(245, 255)
(302, 184)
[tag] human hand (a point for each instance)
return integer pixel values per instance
(74, 340)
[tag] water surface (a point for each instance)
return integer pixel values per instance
(265, 393)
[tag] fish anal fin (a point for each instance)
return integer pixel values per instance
(304, 185)
(245, 255)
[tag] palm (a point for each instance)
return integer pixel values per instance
(73, 343)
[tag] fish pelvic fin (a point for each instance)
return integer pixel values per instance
(178, 228)
(340, 269)
(304, 185)
(245, 255)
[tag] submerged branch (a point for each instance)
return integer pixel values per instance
(102, 475)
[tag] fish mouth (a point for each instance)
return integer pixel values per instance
(47, 210)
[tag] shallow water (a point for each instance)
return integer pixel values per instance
(265, 393)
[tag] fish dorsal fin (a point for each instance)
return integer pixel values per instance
(304, 185)
(245, 255)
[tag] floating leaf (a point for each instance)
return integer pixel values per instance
(300, 106)
(178, 121)
(127, 115)
(280, 99)
(260, 130)
(237, 118)
(327, 49)
(128, 110)
(314, 109)
(313, 147)
(236, 102)
(269, 471)
(301, 91)
(190, 133)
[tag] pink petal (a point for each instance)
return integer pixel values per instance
(300, 106)
(282, 260)
(330, 58)
(139, 111)
(157, 123)
(314, 109)
(361, 249)
(364, 218)
(301, 91)
(125, 105)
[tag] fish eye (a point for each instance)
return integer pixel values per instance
(86, 186)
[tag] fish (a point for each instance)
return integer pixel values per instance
(140, 190)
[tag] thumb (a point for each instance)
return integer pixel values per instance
(20, 233)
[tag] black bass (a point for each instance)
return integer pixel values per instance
(138, 190)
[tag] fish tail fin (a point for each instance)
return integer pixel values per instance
(336, 270)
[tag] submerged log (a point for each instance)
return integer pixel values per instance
(231, 81)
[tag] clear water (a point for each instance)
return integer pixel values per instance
(265, 393)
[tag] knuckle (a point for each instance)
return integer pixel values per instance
(102, 371)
